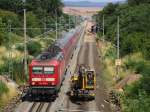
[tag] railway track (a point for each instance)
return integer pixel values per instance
(40, 107)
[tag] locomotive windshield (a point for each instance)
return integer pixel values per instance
(37, 70)
(90, 78)
(48, 70)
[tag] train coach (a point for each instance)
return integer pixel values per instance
(47, 71)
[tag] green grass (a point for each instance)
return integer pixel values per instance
(17, 72)
(136, 97)
(108, 57)
(3, 88)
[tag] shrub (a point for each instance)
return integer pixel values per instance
(34, 48)
(136, 97)
(129, 64)
(3, 88)
(111, 53)
(20, 48)
(139, 67)
(18, 69)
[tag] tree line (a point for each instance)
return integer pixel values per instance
(134, 25)
(40, 14)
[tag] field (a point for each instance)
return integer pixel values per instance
(86, 11)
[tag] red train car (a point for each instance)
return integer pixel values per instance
(47, 71)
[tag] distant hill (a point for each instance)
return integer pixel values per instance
(84, 4)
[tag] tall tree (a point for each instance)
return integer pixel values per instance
(137, 2)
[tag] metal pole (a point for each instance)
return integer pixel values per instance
(25, 45)
(118, 37)
(45, 27)
(56, 26)
(75, 21)
(10, 52)
(118, 47)
(103, 28)
(60, 22)
(69, 22)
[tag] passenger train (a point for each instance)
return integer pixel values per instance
(47, 70)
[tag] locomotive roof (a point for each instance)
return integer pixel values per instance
(45, 58)
(52, 62)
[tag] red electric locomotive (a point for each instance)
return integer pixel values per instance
(47, 71)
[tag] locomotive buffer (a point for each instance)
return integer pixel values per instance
(83, 83)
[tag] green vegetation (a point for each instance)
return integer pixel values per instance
(34, 48)
(136, 96)
(134, 26)
(17, 73)
(134, 38)
(3, 88)
(11, 13)
(108, 54)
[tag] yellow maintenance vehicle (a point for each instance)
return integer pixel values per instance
(83, 83)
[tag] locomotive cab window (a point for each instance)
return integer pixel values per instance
(48, 70)
(90, 78)
(37, 70)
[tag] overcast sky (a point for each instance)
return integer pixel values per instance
(96, 0)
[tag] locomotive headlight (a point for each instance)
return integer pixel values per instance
(33, 83)
(36, 79)
(50, 79)
(53, 83)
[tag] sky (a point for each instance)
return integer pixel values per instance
(96, 0)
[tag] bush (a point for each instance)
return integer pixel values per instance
(129, 64)
(34, 48)
(139, 104)
(18, 69)
(20, 48)
(3, 88)
(140, 67)
(111, 53)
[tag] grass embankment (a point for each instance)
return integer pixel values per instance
(135, 94)
(7, 92)
(3, 89)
